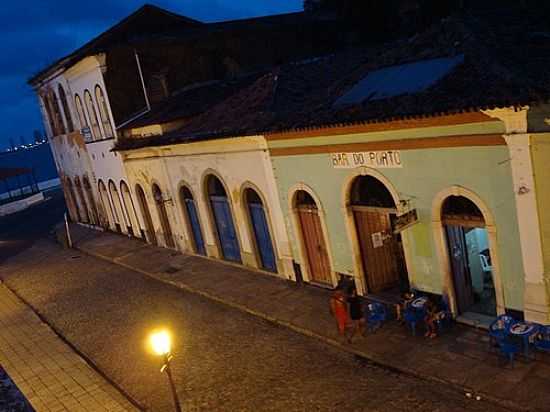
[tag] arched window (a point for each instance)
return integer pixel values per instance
(103, 112)
(48, 112)
(80, 110)
(66, 111)
(58, 121)
(92, 115)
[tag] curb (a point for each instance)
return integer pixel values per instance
(83, 356)
(375, 360)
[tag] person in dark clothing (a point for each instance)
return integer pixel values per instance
(356, 313)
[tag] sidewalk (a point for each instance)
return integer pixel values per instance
(45, 369)
(461, 358)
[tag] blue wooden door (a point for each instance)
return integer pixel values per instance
(263, 238)
(226, 229)
(195, 226)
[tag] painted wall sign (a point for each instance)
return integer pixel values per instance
(405, 221)
(377, 240)
(379, 160)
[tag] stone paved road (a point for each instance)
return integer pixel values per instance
(224, 360)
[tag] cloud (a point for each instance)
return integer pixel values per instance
(35, 33)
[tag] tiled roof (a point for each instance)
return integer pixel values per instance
(191, 101)
(6, 173)
(505, 64)
(147, 20)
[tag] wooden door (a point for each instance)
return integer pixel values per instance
(458, 255)
(195, 225)
(262, 236)
(149, 228)
(226, 229)
(314, 244)
(378, 248)
(165, 223)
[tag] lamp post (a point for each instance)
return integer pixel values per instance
(161, 345)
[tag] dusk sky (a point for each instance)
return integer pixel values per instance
(38, 32)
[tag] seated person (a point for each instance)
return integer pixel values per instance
(406, 299)
(433, 314)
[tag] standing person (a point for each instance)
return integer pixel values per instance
(339, 309)
(356, 313)
(431, 317)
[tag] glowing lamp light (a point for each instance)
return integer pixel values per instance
(161, 342)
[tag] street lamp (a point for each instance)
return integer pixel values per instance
(161, 343)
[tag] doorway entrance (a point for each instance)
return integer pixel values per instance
(149, 228)
(190, 209)
(260, 230)
(470, 260)
(382, 255)
(313, 240)
(163, 216)
(223, 219)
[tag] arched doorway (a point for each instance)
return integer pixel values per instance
(260, 230)
(193, 222)
(134, 227)
(118, 212)
(81, 201)
(149, 228)
(106, 204)
(163, 216)
(313, 240)
(71, 200)
(382, 256)
(469, 256)
(91, 201)
(223, 219)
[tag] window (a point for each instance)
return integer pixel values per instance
(57, 120)
(48, 113)
(103, 112)
(92, 115)
(80, 111)
(66, 111)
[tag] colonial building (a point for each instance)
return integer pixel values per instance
(142, 75)
(417, 163)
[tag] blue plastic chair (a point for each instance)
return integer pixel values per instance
(508, 347)
(542, 343)
(376, 316)
(413, 317)
(499, 329)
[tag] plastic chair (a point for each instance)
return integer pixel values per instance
(413, 317)
(499, 328)
(376, 316)
(508, 347)
(542, 343)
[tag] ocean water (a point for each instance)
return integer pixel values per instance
(38, 158)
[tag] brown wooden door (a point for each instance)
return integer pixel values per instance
(314, 244)
(378, 248)
(458, 255)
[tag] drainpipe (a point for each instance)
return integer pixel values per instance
(142, 81)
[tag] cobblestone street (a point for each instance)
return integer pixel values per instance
(224, 359)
